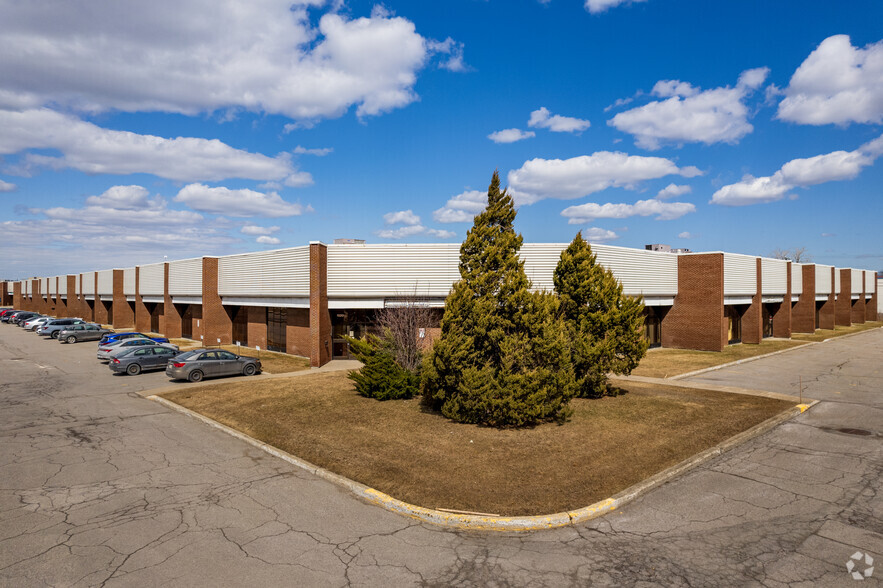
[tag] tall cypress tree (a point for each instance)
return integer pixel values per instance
(502, 358)
(605, 326)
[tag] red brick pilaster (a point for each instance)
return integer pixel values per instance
(752, 320)
(123, 313)
(17, 300)
(697, 319)
(60, 303)
(217, 323)
(73, 302)
(826, 310)
(843, 307)
(320, 319)
(171, 318)
(803, 315)
(142, 315)
(782, 318)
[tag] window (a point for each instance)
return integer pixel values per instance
(225, 355)
(143, 352)
(210, 355)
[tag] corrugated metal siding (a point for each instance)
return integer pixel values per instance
(105, 282)
(151, 279)
(837, 280)
(740, 275)
(185, 277)
(392, 269)
(650, 273)
(50, 286)
(88, 283)
(870, 281)
(774, 276)
(796, 279)
(44, 286)
(62, 285)
(129, 281)
(857, 281)
(284, 273)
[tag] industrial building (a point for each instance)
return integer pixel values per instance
(301, 300)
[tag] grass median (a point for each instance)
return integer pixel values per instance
(421, 457)
(822, 334)
(665, 363)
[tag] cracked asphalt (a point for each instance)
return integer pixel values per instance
(101, 487)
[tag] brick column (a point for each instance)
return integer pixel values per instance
(803, 315)
(257, 327)
(100, 310)
(697, 319)
(171, 318)
(17, 301)
(123, 314)
(320, 319)
(216, 322)
(3, 294)
(843, 306)
(73, 303)
(60, 304)
(782, 319)
(857, 312)
(752, 320)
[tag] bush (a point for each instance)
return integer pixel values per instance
(381, 377)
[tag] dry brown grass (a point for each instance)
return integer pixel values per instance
(423, 458)
(665, 363)
(822, 334)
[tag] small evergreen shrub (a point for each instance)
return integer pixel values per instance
(381, 377)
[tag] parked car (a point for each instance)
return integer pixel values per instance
(109, 350)
(32, 323)
(53, 327)
(6, 311)
(84, 332)
(209, 363)
(7, 318)
(120, 336)
(19, 318)
(134, 361)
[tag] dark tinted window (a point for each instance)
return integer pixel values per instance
(164, 351)
(143, 352)
(210, 355)
(226, 355)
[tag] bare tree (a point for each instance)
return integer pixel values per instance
(797, 255)
(403, 319)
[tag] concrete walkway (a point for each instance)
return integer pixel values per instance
(99, 486)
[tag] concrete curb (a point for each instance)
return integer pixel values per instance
(492, 523)
(706, 386)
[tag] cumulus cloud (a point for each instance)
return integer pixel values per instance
(414, 230)
(265, 240)
(510, 135)
(673, 191)
(580, 176)
(690, 115)
(588, 212)
(830, 167)
(244, 202)
(453, 50)
(543, 119)
(687, 235)
(263, 55)
(7, 186)
(404, 217)
(461, 208)
(837, 84)
(599, 235)
(250, 229)
(598, 6)
(319, 152)
(95, 150)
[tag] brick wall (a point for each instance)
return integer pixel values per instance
(697, 320)
(123, 312)
(257, 327)
(871, 300)
(803, 313)
(170, 323)
(752, 320)
(298, 338)
(843, 304)
(142, 314)
(17, 300)
(320, 319)
(782, 325)
(73, 302)
(218, 322)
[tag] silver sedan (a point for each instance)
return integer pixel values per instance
(108, 350)
(209, 363)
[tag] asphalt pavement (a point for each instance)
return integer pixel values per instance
(102, 487)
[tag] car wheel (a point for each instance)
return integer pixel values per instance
(133, 369)
(54, 334)
(71, 339)
(249, 369)
(195, 376)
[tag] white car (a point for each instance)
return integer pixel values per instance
(106, 351)
(33, 323)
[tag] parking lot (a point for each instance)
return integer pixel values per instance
(103, 487)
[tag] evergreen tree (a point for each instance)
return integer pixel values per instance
(502, 358)
(381, 377)
(606, 327)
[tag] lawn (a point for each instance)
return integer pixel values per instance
(421, 457)
(665, 363)
(272, 362)
(822, 334)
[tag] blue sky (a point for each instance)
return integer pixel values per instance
(133, 131)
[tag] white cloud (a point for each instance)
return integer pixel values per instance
(441, 233)
(687, 235)
(414, 230)
(510, 135)
(673, 191)
(298, 179)
(262, 55)
(319, 152)
(462, 208)
(599, 235)
(690, 115)
(597, 6)
(7, 186)
(836, 84)
(95, 150)
(590, 211)
(244, 202)
(405, 217)
(543, 119)
(830, 167)
(580, 176)
(454, 50)
(126, 198)
(265, 240)
(250, 229)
